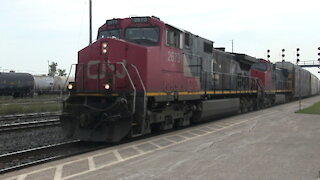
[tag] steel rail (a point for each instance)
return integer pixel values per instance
(27, 125)
(14, 160)
(28, 116)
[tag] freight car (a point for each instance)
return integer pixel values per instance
(16, 84)
(143, 75)
(43, 84)
(302, 82)
(26, 85)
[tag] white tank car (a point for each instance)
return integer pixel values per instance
(43, 84)
(61, 83)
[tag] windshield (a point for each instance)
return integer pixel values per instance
(259, 66)
(148, 36)
(109, 33)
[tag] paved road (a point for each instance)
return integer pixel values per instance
(274, 143)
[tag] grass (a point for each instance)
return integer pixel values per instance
(314, 109)
(30, 108)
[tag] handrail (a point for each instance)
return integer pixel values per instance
(141, 82)
(134, 88)
(65, 83)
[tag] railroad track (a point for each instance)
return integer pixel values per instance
(26, 121)
(28, 116)
(29, 157)
(28, 125)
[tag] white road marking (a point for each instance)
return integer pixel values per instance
(58, 173)
(22, 177)
(137, 149)
(154, 144)
(117, 155)
(92, 165)
(167, 139)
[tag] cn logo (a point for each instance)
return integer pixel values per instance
(93, 65)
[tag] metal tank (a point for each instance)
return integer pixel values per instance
(61, 82)
(43, 84)
(16, 84)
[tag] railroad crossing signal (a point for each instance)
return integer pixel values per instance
(298, 55)
(308, 64)
(319, 54)
(319, 57)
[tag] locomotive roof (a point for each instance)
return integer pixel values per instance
(246, 59)
(155, 19)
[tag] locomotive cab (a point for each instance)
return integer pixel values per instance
(265, 71)
(108, 96)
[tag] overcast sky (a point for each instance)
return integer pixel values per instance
(34, 32)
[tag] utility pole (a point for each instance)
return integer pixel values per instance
(48, 67)
(90, 21)
(231, 45)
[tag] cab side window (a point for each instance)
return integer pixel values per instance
(174, 38)
(187, 40)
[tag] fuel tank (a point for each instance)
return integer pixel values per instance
(211, 109)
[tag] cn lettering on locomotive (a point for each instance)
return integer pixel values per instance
(92, 72)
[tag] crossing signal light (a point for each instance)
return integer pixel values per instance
(283, 55)
(298, 55)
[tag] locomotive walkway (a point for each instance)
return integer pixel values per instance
(273, 143)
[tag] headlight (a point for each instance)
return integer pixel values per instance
(70, 86)
(107, 86)
(104, 45)
(104, 48)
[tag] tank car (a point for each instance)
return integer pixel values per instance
(143, 75)
(16, 84)
(43, 84)
(60, 83)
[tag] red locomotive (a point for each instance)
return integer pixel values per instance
(143, 75)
